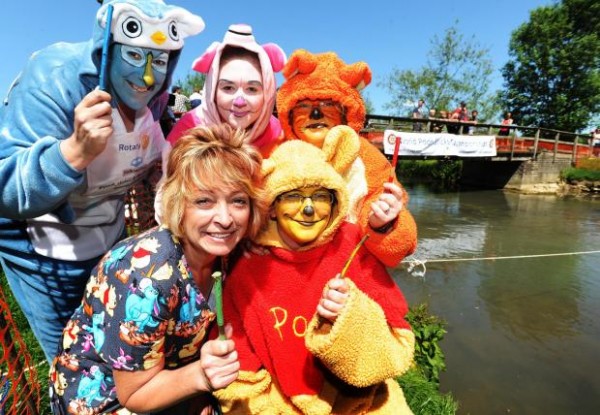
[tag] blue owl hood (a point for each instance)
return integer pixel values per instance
(148, 24)
(38, 111)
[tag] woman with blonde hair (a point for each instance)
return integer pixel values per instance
(140, 329)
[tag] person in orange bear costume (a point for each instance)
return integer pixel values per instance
(320, 96)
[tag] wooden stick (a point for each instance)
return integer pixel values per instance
(353, 254)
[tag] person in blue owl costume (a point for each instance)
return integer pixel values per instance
(70, 151)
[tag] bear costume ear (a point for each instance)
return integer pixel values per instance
(341, 146)
(358, 75)
(301, 61)
(203, 63)
(276, 56)
(267, 167)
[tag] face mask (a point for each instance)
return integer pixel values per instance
(137, 74)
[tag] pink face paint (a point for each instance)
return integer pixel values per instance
(239, 102)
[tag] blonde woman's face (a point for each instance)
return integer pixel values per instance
(215, 221)
(240, 96)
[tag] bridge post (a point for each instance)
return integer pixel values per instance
(513, 143)
(536, 141)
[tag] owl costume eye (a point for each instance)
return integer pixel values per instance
(173, 33)
(132, 27)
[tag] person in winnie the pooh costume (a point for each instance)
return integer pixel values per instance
(343, 357)
(321, 95)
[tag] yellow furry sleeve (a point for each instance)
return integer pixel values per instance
(360, 348)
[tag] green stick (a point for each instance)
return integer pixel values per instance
(218, 290)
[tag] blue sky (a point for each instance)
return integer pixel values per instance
(386, 34)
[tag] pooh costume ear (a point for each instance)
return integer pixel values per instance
(322, 77)
(340, 147)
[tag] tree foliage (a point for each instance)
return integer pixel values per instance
(369, 107)
(457, 69)
(192, 82)
(552, 78)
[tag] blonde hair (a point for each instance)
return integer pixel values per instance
(209, 157)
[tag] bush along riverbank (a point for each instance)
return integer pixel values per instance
(583, 180)
(444, 175)
(421, 383)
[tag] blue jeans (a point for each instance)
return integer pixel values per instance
(47, 290)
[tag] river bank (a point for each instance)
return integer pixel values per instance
(582, 188)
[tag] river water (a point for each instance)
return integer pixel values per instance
(523, 325)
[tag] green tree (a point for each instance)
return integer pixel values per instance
(552, 78)
(191, 82)
(369, 107)
(457, 69)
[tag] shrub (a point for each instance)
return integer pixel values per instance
(421, 383)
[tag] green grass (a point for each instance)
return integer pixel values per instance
(33, 347)
(586, 170)
(423, 396)
(575, 174)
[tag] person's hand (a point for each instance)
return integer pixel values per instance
(333, 300)
(387, 207)
(219, 364)
(91, 131)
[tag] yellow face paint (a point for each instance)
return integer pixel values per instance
(303, 214)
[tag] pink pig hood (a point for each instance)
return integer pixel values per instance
(272, 59)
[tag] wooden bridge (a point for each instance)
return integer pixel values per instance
(528, 156)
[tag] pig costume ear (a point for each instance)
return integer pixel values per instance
(203, 63)
(276, 56)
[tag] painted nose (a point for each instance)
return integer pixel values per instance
(239, 101)
(148, 75)
(308, 208)
(316, 114)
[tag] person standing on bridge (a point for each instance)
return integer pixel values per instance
(320, 96)
(507, 120)
(419, 112)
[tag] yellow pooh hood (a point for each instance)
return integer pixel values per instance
(296, 165)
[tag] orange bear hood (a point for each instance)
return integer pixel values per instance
(320, 77)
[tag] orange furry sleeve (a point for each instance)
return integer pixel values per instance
(393, 246)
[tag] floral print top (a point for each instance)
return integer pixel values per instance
(140, 305)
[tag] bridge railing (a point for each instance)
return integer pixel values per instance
(521, 140)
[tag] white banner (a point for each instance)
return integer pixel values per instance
(439, 144)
